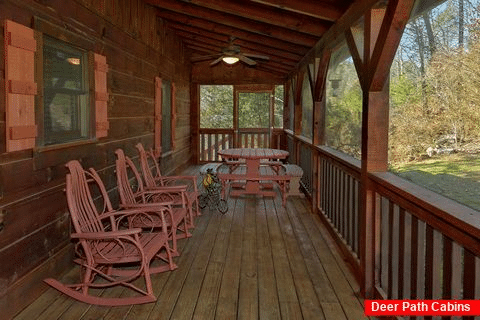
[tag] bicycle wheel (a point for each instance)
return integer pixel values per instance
(222, 206)
(202, 201)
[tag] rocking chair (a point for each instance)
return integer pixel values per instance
(134, 195)
(153, 181)
(109, 255)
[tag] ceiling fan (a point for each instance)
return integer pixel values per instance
(232, 54)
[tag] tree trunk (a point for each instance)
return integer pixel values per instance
(430, 36)
(461, 22)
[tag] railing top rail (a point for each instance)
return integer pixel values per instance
(253, 130)
(455, 220)
(216, 130)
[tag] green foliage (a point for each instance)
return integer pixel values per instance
(253, 110)
(307, 107)
(344, 109)
(216, 106)
(278, 106)
(403, 91)
(443, 100)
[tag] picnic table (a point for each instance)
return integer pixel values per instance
(246, 165)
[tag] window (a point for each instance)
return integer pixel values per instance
(278, 106)
(434, 137)
(307, 107)
(344, 104)
(253, 109)
(216, 106)
(65, 93)
(291, 108)
(166, 116)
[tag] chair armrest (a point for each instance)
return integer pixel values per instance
(106, 234)
(174, 178)
(169, 188)
(149, 207)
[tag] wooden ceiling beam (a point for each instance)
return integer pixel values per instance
(221, 32)
(267, 14)
(331, 38)
(210, 38)
(187, 12)
(199, 50)
(318, 9)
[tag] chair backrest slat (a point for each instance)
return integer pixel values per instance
(84, 213)
(145, 167)
(123, 165)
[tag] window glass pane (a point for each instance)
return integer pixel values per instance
(434, 136)
(216, 106)
(344, 104)
(291, 106)
(65, 94)
(278, 106)
(166, 116)
(253, 109)
(307, 107)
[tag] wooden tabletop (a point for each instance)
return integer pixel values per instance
(254, 153)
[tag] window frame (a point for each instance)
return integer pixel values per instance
(85, 112)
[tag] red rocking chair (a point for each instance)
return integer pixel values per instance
(134, 195)
(109, 254)
(153, 181)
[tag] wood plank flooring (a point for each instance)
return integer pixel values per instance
(258, 261)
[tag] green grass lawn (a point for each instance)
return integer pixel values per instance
(455, 176)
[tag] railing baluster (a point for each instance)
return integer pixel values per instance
(390, 264)
(215, 149)
(447, 268)
(401, 252)
(470, 275)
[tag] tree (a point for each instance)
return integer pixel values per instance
(216, 106)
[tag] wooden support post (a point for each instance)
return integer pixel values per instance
(318, 130)
(374, 159)
(383, 31)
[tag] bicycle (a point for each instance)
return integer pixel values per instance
(212, 196)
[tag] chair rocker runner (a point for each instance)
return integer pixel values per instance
(108, 254)
(134, 195)
(153, 181)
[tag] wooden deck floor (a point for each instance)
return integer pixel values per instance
(258, 261)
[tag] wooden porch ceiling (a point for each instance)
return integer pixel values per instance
(285, 31)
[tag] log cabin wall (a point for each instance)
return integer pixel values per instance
(35, 225)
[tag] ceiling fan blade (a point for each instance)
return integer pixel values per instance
(214, 62)
(258, 56)
(203, 58)
(246, 60)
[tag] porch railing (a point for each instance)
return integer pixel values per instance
(424, 245)
(213, 140)
(428, 246)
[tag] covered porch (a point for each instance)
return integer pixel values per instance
(361, 232)
(258, 261)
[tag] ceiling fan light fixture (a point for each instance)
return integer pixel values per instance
(230, 60)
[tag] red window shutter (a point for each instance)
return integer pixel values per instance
(20, 86)
(158, 117)
(174, 116)
(101, 95)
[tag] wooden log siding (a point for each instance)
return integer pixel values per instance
(32, 201)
